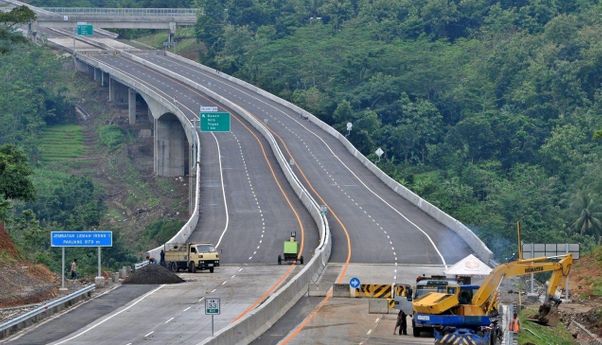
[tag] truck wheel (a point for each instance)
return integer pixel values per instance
(211, 269)
(301, 260)
(415, 330)
(279, 260)
(191, 267)
(173, 266)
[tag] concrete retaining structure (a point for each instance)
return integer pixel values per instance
(468, 235)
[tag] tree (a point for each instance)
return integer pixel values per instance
(598, 134)
(589, 219)
(14, 177)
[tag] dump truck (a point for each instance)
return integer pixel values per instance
(424, 285)
(191, 257)
(468, 314)
(290, 253)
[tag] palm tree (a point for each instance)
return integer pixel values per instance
(589, 219)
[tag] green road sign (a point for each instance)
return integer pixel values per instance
(85, 29)
(218, 121)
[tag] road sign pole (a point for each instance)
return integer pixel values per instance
(566, 283)
(212, 325)
(63, 269)
(532, 274)
(98, 262)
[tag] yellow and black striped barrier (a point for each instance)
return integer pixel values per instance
(452, 339)
(373, 291)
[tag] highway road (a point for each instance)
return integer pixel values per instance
(240, 175)
(382, 227)
(164, 314)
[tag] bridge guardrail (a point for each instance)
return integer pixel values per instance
(126, 12)
(19, 322)
(463, 231)
(264, 316)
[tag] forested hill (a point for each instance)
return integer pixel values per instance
(486, 108)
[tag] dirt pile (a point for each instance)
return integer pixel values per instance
(6, 244)
(153, 274)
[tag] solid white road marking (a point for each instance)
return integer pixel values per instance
(187, 309)
(169, 320)
(149, 333)
(221, 175)
(111, 316)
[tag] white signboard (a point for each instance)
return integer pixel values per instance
(379, 152)
(212, 306)
(208, 109)
(537, 250)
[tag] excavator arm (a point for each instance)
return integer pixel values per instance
(559, 266)
(484, 299)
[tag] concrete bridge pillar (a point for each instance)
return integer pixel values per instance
(118, 93)
(132, 106)
(171, 147)
(111, 90)
(102, 78)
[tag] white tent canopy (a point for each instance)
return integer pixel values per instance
(469, 266)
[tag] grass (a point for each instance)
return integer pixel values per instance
(111, 136)
(542, 335)
(185, 39)
(61, 143)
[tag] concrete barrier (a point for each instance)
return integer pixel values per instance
(475, 243)
(341, 290)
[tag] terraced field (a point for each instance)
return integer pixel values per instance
(61, 142)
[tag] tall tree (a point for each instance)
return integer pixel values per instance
(14, 177)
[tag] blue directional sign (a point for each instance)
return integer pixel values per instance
(354, 282)
(81, 238)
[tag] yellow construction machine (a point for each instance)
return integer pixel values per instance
(471, 312)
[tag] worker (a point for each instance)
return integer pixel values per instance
(515, 324)
(401, 323)
(74, 269)
(162, 262)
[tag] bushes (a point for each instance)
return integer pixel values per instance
(111, 136)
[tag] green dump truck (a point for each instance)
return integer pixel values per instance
(290, 253)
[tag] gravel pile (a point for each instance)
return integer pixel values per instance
(153, 274)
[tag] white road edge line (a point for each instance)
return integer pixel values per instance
(111, 316)
(221, 176)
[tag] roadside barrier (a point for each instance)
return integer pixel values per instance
(13, 325)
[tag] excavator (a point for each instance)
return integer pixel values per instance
(468, 314)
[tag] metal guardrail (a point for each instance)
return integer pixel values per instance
(125, 12)
(45, 307)
(139, 265)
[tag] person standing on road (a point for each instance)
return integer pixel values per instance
(162, 262)
(74, 269)
(401, 323)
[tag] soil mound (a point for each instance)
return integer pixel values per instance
(153, 274)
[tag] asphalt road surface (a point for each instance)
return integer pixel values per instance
(382, 226)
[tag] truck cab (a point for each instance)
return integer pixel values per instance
(191, 256)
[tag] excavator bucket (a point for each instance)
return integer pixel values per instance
(547, 315)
